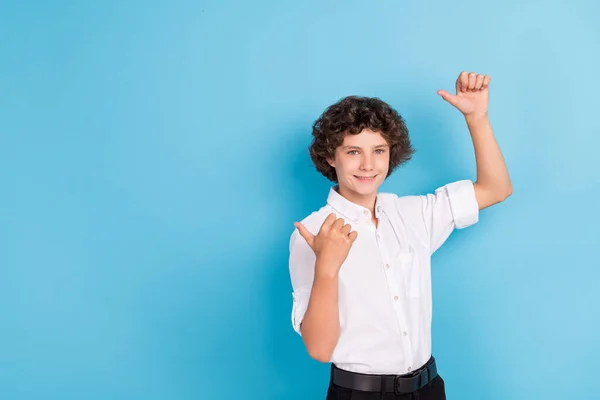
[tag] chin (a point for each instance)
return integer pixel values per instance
(365, 190)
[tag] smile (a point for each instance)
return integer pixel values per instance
(365, 178)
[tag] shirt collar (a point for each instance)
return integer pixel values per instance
(349, 209)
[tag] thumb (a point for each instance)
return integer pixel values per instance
(450, 98)
(309, 237)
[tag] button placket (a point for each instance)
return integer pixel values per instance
(395, 297)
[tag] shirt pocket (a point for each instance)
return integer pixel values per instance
(411, 273)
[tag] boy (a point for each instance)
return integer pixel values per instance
(360, 266)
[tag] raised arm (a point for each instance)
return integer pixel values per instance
(493, 183)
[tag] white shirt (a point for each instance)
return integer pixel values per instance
(384, 290)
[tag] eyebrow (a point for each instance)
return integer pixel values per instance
(360, 148)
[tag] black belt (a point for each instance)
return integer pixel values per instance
(399, 384)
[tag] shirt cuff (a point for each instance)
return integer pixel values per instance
(463, 203)
(299, 308)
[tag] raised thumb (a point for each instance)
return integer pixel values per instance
(450, 98)
(309, 237)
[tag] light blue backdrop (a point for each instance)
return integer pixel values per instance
(153, 159)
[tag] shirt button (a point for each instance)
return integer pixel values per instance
(405, 333)
(409, 369)
(387, 265)
(395, 297)
(378, 209)
(365, 212)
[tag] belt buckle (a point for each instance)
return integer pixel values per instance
(397, 391)
(400, 385)
(422, 379)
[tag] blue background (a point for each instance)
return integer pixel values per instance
(153, 157)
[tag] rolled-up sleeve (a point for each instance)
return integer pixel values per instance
(302, 269)
(451, 206)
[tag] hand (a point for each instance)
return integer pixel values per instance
(331, 245)
(471, 97)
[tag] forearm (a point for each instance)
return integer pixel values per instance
(492, 173)
(321, 327)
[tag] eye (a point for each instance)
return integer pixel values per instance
(352, 152)
(380, 151)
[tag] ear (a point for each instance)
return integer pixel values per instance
(331, 162)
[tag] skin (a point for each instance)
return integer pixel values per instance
(364, 155)
(367, 155)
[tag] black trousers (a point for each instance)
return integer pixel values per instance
(434, 390)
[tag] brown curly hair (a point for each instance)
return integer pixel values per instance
(351, 115)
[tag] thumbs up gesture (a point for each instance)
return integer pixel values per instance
(331, 245)
(471, 96)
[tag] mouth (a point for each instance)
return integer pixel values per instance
(365, 179)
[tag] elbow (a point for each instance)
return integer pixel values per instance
(507, 193)
(320, 350)
(320, 344)
(501, 193)
(320, 354)
(493, 193)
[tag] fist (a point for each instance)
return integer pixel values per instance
(332, 243)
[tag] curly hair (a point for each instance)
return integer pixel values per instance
(351, 115)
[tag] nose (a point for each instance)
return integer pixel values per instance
(366, 163)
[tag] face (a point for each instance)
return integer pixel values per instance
(361, 164)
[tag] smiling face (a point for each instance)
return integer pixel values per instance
(361, 164)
